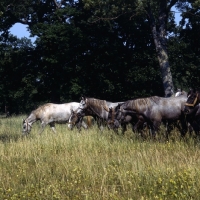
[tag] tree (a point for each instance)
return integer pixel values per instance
(113, 50)
(184, 46)
(17, 82)
(157, 13)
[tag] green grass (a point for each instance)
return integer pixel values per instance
(95, 165)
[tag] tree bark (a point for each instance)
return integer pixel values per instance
(160, 41)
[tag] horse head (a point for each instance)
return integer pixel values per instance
(111, 118)
(82, 104)
(193, 99)
(74, 119)
(26, 126)
(115, 116)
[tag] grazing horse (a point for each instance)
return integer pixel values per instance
(118, 116)
(50, 114)
(76, 119)
(155, 110)
(96, 108)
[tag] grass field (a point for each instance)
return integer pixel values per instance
(93, 165)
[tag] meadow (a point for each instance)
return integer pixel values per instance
(95, 165)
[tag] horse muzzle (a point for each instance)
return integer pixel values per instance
(25, 132)
(113, 124)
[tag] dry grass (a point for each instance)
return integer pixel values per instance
(95, 165)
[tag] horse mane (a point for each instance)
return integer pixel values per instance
(97, 106)
(96, 103)
(142, 102)
(148, 100)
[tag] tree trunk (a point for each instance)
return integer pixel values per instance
(160, 41)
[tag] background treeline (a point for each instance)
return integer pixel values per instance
(112, 58)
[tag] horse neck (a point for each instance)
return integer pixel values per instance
(73, 105)
(94, 107)
(97, 114)
(31, 118)
(129, 105)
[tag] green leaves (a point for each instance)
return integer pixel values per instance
(103, 49)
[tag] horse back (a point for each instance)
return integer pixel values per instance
(157, 108)
(55, 112)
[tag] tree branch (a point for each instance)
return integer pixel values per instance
(58, 5)
(172, 3)
(108, 18)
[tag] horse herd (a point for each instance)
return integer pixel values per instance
(182, 110)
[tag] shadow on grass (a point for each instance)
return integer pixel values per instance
(6, 137)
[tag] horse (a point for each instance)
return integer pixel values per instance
(192, 109)
(192, 102)
(50, 113)
(137, 121)
(96, 108)
(155, 110)
(118, 117)
(76, 119)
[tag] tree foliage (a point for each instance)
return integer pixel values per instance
(103, 49)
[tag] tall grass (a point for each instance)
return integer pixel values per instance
(94, 165)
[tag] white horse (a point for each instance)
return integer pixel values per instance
(51, 113)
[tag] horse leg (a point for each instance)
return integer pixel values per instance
(154, 128)
(138, 127)
(52, 125)
(99, 123)
(80, 123)
(124, 128)
(43, 124)
(183, 127)
(168, 128)
(195, 127)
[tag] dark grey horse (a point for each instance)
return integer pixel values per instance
(155, 110)
(192, 102)
(118, 117)
(96, 108)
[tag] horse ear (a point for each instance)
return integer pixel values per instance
(83, 97)
(120, 104)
